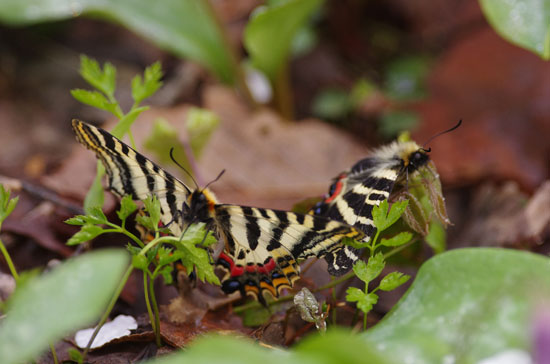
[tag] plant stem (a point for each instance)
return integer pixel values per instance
(283, 93)
(13, 271)
(156, 311)
(147, 302)
(54, 354)
(109, 309)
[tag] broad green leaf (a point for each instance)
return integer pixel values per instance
(51, 306)
(183, 27)
(466, 304)
(95, 99)
(194, 256)
(127, 207)
(86, 233)
(375, 265)
(379, 214)
(397, 209)
(143, 88)
(269, 34)
(398, 240)
(525, 23)
(96, 216)
(336, 346)
(393, 280)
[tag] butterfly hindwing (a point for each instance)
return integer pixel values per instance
(267, 245)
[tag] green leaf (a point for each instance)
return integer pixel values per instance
(140, 262)
(354, 294)
(398, 240)
(384, 219)
(255, 316)
(436, 238)
(193, 256)
(152, 207)
(102, 79)
(269, 34)
(49, 307)
(185, 28)
(86, 233)
(360, 270)
(95, 195)
(96, 216)
(76, 220)
(466, 303)
(6, 205)
(200, 125)
(75, 355)
(167, 256)
(393, 280)
(95, 99)
(166, 273)
(127, 207)
(525, 23)
(144, 88)
(375, 265)
(366, 302)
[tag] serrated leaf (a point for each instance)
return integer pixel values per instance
(49, 307)
(397, 209)
(354, 294)
(152, 207)
(133, 249)
(398, 240)
(127, 207)
(146, 222)
(86, 233)
(166, 273)
(102, 79)
(268, 35)
(367, 301)
(375, 265)
(144, 88)
(95, 99)
(169, 256)
(393, 280)
(360, 270)
(96, 216)
(379, 214)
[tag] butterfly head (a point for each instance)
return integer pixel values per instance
(199, 207)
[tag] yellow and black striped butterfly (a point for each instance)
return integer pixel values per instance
(262, 246)
(354, 193)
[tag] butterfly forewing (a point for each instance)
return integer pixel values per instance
(130, 173)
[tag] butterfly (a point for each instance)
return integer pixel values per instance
(354, 193)
(262, 247)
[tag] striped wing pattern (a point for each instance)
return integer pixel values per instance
(271, 242)
(262, 246)
(130, 173)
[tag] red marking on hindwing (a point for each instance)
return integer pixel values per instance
(337, 189)
(236, 270)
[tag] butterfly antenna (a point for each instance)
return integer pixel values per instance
(182, 167)
(215, 179)
(441, 133)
